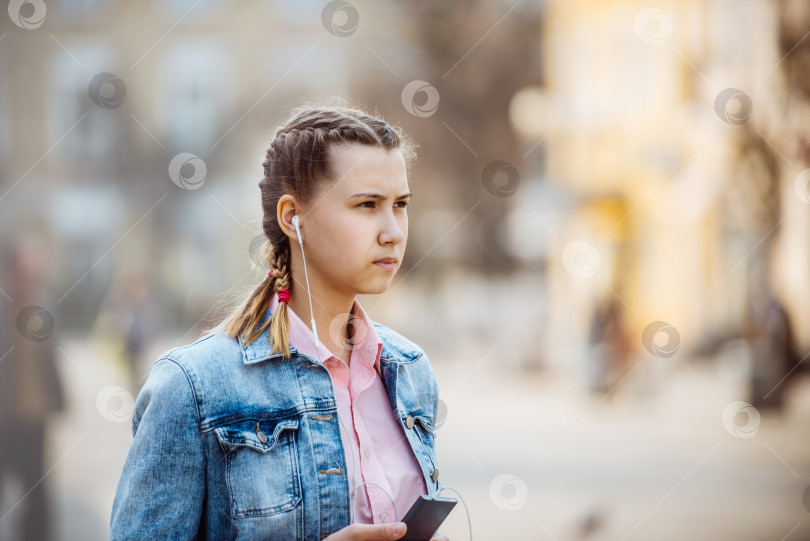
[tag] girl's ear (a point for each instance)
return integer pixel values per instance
(288, 207)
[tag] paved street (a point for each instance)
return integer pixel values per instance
(534, 457)
(653, 463)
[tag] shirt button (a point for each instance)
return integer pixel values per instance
(367, 453)
(384, 517)
(409, 421)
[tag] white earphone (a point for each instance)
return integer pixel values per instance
(295, 222)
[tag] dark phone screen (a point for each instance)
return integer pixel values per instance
(425, 516)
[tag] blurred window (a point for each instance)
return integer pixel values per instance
(96, 138)
(195, 91)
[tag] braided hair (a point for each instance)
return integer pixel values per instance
(297, 163)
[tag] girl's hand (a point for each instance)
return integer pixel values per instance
(369, 532)
(375, 532)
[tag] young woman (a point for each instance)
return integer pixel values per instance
(268, 428)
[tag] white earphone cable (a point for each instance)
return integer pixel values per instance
(466, 510)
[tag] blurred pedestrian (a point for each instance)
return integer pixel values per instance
(30, 387)
(608, 346)
(774, 354)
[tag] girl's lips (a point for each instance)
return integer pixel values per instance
(386, 265)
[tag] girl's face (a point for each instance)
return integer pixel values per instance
(358, 219)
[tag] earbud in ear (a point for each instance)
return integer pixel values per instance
(295, 221)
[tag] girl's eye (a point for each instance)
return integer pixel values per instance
(401, 204)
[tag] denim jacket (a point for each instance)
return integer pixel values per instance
(234, 442)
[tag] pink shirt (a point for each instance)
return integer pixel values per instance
(377, 442)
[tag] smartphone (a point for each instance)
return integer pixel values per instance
(425, 516)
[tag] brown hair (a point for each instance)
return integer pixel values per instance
(297, 163)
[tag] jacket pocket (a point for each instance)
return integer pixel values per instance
(262, 465)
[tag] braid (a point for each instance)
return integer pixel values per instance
(279, 277)
(279, 321)
(279, 260)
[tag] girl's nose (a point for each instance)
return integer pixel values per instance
(391, 231)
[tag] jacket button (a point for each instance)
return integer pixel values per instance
(409, 421)
(435, 475)
(259, 434)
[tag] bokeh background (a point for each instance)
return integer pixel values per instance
(608, 260)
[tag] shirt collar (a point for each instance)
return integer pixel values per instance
(301, 337)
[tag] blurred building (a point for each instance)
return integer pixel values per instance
(633, 187)
(685, 208)
(107, 93)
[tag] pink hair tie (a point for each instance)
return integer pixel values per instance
(283, 295)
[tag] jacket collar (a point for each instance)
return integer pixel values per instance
(395, 349)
